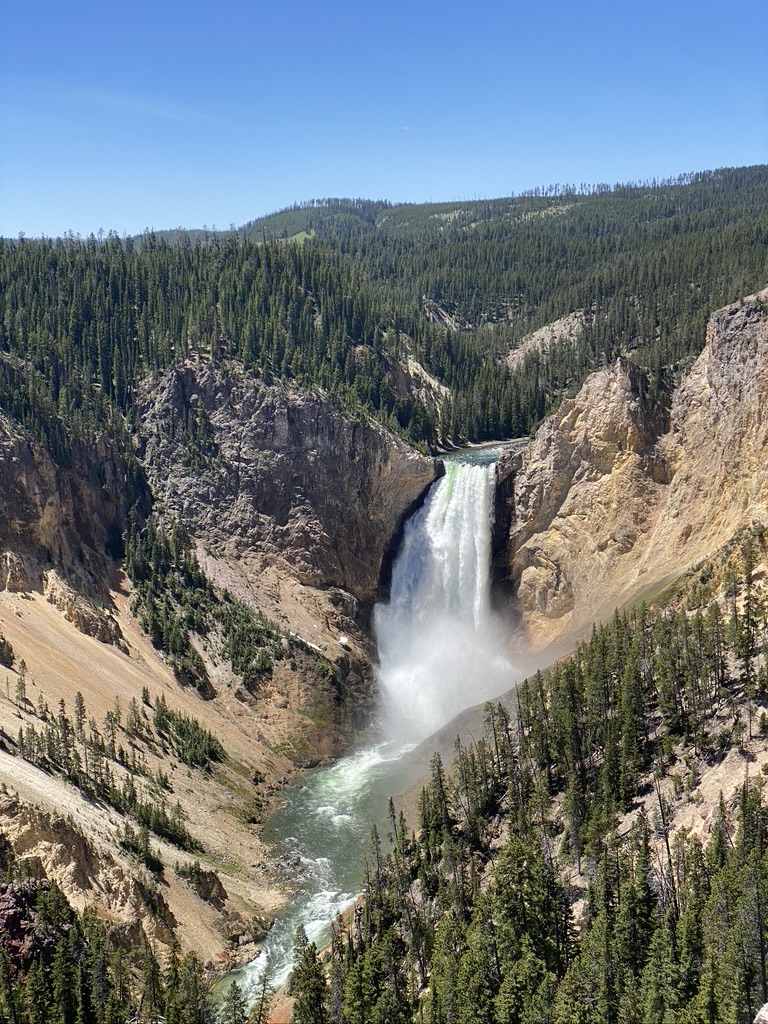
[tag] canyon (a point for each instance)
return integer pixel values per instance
(297, 508)
(295, 512)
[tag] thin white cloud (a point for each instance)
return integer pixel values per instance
(154, 108)
(57, 95)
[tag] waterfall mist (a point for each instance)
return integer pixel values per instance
(441, 648)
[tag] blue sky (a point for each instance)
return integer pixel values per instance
(169, 114)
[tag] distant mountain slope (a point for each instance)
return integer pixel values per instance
(82, 322)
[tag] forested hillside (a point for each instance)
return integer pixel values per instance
(546, 880)
(646, 263)
(356, 288)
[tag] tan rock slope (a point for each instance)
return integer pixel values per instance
(76, 841)
(291, 505)
(616, 495)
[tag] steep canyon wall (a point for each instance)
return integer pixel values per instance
(617, 494)
(278, 474)
(290, 505)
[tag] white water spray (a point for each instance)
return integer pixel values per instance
(440, 646)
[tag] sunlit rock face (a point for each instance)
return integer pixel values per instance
(70, 514)
(62, 523)
(292, 506)
(279, 473)
(616, 495)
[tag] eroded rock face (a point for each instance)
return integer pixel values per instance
(69, 517)
(53, 850)
(273, 480)
(60, 527)
(282, 475)
(24, 938)
(615, 494)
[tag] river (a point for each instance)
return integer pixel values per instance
(441, 649)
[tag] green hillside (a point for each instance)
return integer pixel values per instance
(83, 321)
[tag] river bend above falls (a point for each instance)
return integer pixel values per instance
(440, 651)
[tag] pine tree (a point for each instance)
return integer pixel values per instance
(7, 656)
(64, 986)
(233, 1007)
(308, 984)
(194, 991)
(260, 1010)
(152, 994)
(35, 997)
(80, 716)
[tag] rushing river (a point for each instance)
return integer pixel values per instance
(440, 650)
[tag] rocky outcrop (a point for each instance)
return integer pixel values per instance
(25, 935)
(276, 473)
(69, 516)
(61, 526)
(294, 507)
(90, 618)
(616, 495)
(567, 330)
(251, 469)
(51, 849)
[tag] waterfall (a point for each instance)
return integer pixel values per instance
(440, 647)
(440, 650)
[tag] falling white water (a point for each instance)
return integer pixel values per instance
(441, 649)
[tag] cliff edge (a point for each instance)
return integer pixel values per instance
(275, 474)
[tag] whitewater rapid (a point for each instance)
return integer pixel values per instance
(321, 835)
